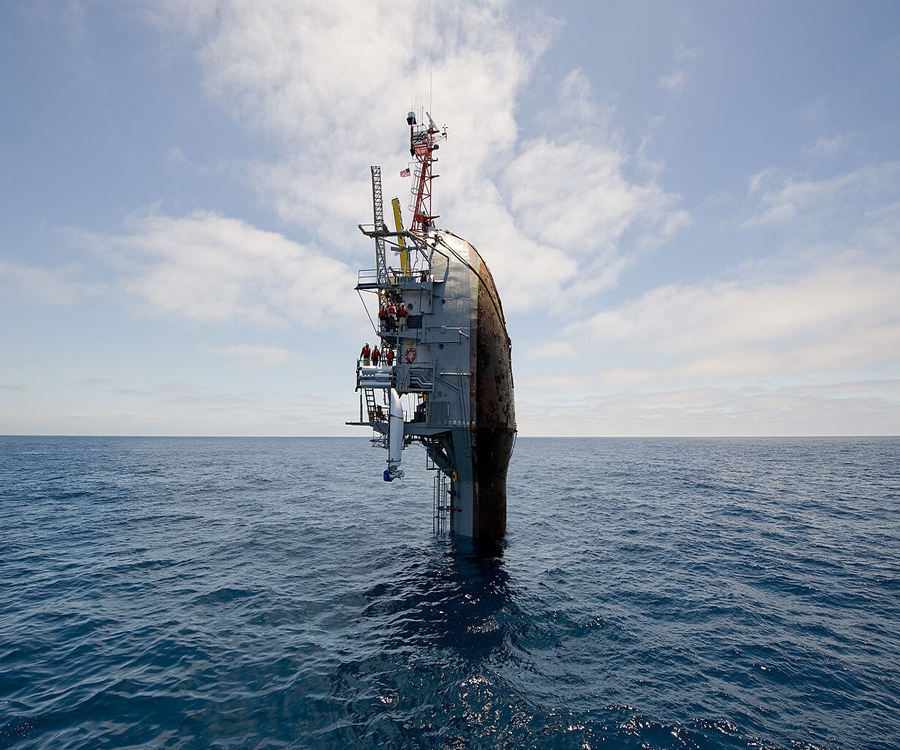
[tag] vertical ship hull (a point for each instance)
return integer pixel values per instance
(482, 448)
(444, 351)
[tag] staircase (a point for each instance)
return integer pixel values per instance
(370, 403)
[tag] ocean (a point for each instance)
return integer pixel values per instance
(276, 593)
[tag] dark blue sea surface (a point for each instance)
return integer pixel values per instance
(275, 593)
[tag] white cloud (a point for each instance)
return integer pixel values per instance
(175, 158)
(575, 105)
(845, 408)
(572, 196)
(684, 52)
(256, 355)
(834, 318)
(572, 199)
(825, 146)
(674, 82)
(331, 84)
(779, 200)
(804, 342)
(58, 405)
(212, 269)
(53, 286)
(815, 111)
(560, 207)
(562, 220)
(554, 216)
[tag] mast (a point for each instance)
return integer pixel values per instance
(423, 142)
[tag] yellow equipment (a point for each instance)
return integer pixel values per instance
(404, 252)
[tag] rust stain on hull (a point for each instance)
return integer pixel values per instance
(494, 407)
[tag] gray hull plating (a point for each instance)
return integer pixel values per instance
(483, 447)
(453, 357)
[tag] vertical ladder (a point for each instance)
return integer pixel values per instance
(441, 503)
(380, 226)
(412, 198)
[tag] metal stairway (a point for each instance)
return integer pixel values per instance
(370, 403)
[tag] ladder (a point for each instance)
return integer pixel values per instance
(370, 403)
(380, 226)
(442, 504)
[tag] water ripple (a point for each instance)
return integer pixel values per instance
(194, 593)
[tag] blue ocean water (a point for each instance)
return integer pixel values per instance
(275, 593)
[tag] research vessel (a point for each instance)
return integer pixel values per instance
(439, 372)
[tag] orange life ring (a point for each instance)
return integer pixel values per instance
(410, 356)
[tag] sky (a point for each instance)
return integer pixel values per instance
(691, 210)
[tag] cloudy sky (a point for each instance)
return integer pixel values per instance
(691, 210)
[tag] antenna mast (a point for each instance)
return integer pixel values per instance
(423, 142)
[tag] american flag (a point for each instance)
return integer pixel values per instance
(405, 172)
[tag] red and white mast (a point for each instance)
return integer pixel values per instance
(423, 142)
